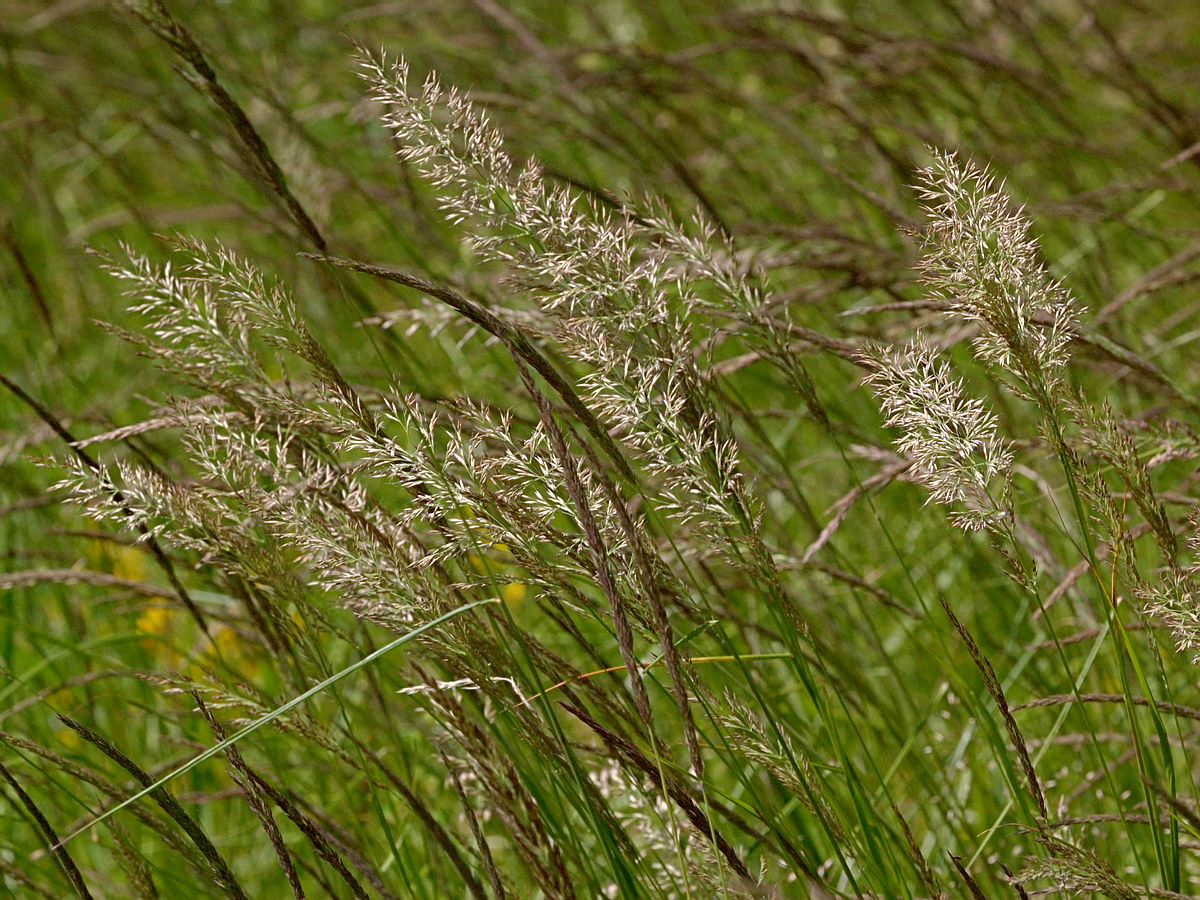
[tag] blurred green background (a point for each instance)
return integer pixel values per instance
(796, 128)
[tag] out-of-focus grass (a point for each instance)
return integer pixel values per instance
(798, 131)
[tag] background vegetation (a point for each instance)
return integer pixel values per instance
(842, 692)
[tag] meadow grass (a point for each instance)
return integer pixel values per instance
(665, 450)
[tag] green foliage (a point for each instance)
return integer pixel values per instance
(772, 500)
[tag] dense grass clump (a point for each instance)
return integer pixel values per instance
(599, 450)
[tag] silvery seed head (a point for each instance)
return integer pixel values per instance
(981, 261)
(951, 438)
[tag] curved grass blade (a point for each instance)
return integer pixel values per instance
(271, 716)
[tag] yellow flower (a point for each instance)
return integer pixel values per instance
(128, 562)
(155, 622)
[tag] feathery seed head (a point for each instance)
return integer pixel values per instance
(951, 438)
(981, 261)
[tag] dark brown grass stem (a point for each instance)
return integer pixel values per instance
(631, 755)
(655, 593)
(972, 885)
(87, 776)
(485, 852)
(306, 827)
(323, 831)
(315, 834)
(155, 15)
(420, 809)
(650, 582)
(1016, 886)
(86, 458)
(254, 798)
(597, 548)
(928, 877)
(1174, 709)
(1179, 808)
(61, 856)
(220, 868)
(516, 342)
(992, 683)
